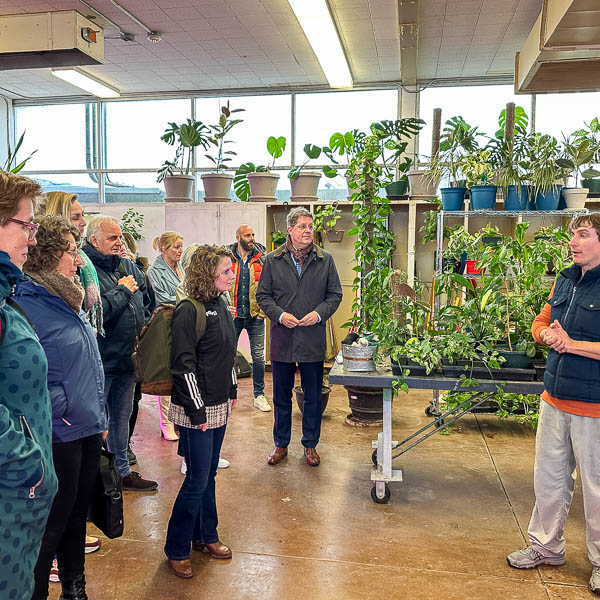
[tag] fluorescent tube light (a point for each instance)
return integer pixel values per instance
(86, 82)
(315, 19)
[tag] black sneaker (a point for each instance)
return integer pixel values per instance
(136, 483)
(131, 457)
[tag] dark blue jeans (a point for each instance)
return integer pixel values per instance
(194, 517)
(256, 333)
(311, 381)
(118, 398)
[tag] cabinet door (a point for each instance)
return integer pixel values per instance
(234, 214)
(197, 222)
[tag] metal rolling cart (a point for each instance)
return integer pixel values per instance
(382, 472)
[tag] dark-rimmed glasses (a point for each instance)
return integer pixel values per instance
(31, 228)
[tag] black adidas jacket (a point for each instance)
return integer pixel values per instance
(202, 370)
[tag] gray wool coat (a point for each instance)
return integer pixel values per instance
(281, 289)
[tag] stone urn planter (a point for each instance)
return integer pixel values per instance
(305, 186)
(217, 187)
(178, 188)
(325, 391)
(262, 186)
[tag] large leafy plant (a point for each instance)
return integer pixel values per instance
(312, 152)
(220, 131)
(576, 153)
(185, 137)
(275, 147)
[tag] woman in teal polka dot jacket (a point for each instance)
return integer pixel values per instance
(27, 478)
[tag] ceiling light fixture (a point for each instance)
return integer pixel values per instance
(86, 82)
(317, 23)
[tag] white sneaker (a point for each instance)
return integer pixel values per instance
(223, 464)
(261, 403)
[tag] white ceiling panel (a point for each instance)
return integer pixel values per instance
(233, 44)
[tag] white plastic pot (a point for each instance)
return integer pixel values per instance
(575, 197)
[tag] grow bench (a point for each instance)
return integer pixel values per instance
(382, 472)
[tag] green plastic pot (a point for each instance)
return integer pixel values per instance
(397, 188)
(591, 184)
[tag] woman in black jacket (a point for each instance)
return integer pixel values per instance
(204, 390)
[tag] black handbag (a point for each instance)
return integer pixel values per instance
(106, 508)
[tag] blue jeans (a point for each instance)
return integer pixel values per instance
(194, 517)
(256, 333)
(311, 381)
(118, 399)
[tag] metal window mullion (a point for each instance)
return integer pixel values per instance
(194, 165)
(100, 150)
(533, 112)
(293, 130)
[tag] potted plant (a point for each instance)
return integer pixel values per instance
(458, 138)
(305, 184)
(217, 185)
(324, 221)
(544, 171)
(256, 182)
(10, 165)
(176, 175)
(347, 144)
(394, 137)
(325, 391)
(278, 238)
(577, 152)
(591, 132)
(479, 172)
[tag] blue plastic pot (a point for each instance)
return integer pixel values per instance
(550, 200)
(453, 198)
(516, 197)
(483, 197)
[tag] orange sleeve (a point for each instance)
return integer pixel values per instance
(542, 320)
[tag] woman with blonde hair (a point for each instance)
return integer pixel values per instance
(66, 205)
(166, 274)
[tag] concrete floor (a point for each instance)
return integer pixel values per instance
(314, 533)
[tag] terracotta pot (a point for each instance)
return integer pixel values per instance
(263, 186)
(420, 185)
(178, 188)
(305, 186)
(217, 187)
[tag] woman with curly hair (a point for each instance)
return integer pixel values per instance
(204, 390)
(52, 298)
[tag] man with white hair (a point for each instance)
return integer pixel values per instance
(126, 305)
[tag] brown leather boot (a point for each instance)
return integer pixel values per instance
(277, 455)
(311, 456)
(217, 549)
(181, 568)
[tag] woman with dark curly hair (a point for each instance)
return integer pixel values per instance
(52, 298)
(204, 390)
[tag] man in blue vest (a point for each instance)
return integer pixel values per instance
(568, 434)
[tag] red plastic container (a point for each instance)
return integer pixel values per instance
(471, 267)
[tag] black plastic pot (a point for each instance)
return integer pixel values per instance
(366, 404)
(325, 391)
(513, 359)
(416, 370)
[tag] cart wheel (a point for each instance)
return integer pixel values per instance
(428, 411)
(439, 424)
(374, 457)
(386, 496)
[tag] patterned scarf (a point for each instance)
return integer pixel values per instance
(300, 255)
(92, 303)
(59, 285)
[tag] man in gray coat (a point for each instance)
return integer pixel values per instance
(299, 289)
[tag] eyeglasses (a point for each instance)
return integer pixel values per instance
(30, 228)
(304, 227)
(74, 253)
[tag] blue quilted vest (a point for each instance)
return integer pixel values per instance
(575, 303)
